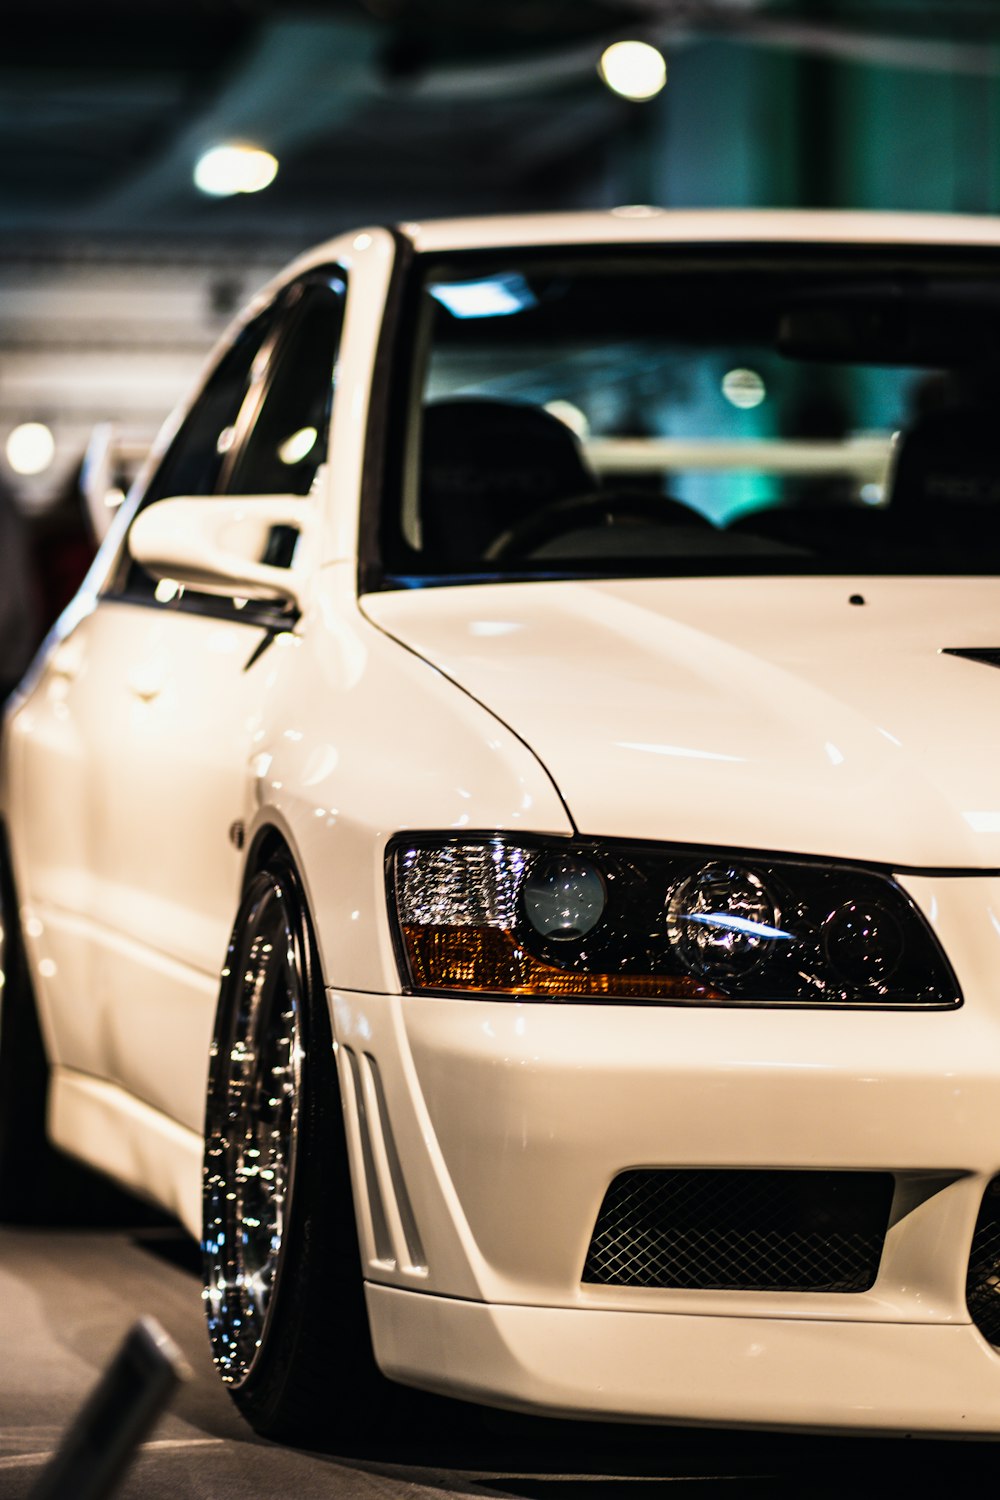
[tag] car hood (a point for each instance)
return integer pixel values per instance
(820, 715)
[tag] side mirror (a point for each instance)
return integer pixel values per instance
(222, 545)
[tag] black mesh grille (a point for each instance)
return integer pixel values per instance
(982, 1289)
(752, 1231)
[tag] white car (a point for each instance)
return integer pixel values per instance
(560, 652)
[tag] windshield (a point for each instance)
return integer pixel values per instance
(802, 411)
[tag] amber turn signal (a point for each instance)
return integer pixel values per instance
(490, 960)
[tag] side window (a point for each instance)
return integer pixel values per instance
(288, 440)
(195, 459)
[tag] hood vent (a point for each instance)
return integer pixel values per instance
(988, 655)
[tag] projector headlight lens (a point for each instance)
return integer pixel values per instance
(722, 920)
(864, 943)
(563, 898)
(588, 920)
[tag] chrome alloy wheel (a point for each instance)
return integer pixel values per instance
(251, 1127)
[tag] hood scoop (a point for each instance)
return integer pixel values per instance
(988, 655)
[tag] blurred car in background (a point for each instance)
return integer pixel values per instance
(555, 655)
(18, 603)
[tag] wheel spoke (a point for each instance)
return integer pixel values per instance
(251, 1129)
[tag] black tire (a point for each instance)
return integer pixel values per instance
(24, 1075)
(283, 1286)
(38, 1183)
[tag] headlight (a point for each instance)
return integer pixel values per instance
(576, 919)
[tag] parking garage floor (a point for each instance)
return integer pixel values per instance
(68, 1297)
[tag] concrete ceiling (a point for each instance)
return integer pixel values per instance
(116, 274)
(375, 108)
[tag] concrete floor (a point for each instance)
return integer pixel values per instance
(68, 1297)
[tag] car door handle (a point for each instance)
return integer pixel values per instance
(145, 682)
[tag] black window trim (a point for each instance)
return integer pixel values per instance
(285, 327)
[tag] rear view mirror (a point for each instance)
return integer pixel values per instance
(233, 547)
(902, 325)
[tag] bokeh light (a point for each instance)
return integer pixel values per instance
(636, 70)
(30, 448)
(235, 168)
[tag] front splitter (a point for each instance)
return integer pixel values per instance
(932, 1379)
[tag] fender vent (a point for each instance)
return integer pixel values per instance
(393, 1226)
(783, 1231)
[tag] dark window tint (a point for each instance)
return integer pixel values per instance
(702, 412)
(288, 441)
(195, 459)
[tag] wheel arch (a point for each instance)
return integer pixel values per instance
(270, 840)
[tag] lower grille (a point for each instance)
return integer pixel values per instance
(982, 1288)
(748, 1231)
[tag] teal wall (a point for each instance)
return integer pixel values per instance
(918, 140)
(725, 129)
(741, 125)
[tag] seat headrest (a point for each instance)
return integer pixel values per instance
(948, 458)
(485, 465)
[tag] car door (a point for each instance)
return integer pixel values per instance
(162, 697)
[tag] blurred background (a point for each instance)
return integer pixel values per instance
(128, 240)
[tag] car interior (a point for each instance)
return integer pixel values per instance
(702, 423)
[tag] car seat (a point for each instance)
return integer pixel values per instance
(488, 465)
(944, 490)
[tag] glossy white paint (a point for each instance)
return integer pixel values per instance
(117, 905)
(142, 1148)
(163, 739)
(647, 225)
(757, 1372)
(738, 711)
(767, 714)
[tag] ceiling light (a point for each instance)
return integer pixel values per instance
(226, 170)
(743, 388)
(496, 297)
(635, 70)
(30, 448)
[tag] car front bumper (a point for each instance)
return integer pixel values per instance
(484, 1135)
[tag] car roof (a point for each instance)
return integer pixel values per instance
(642, 225)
